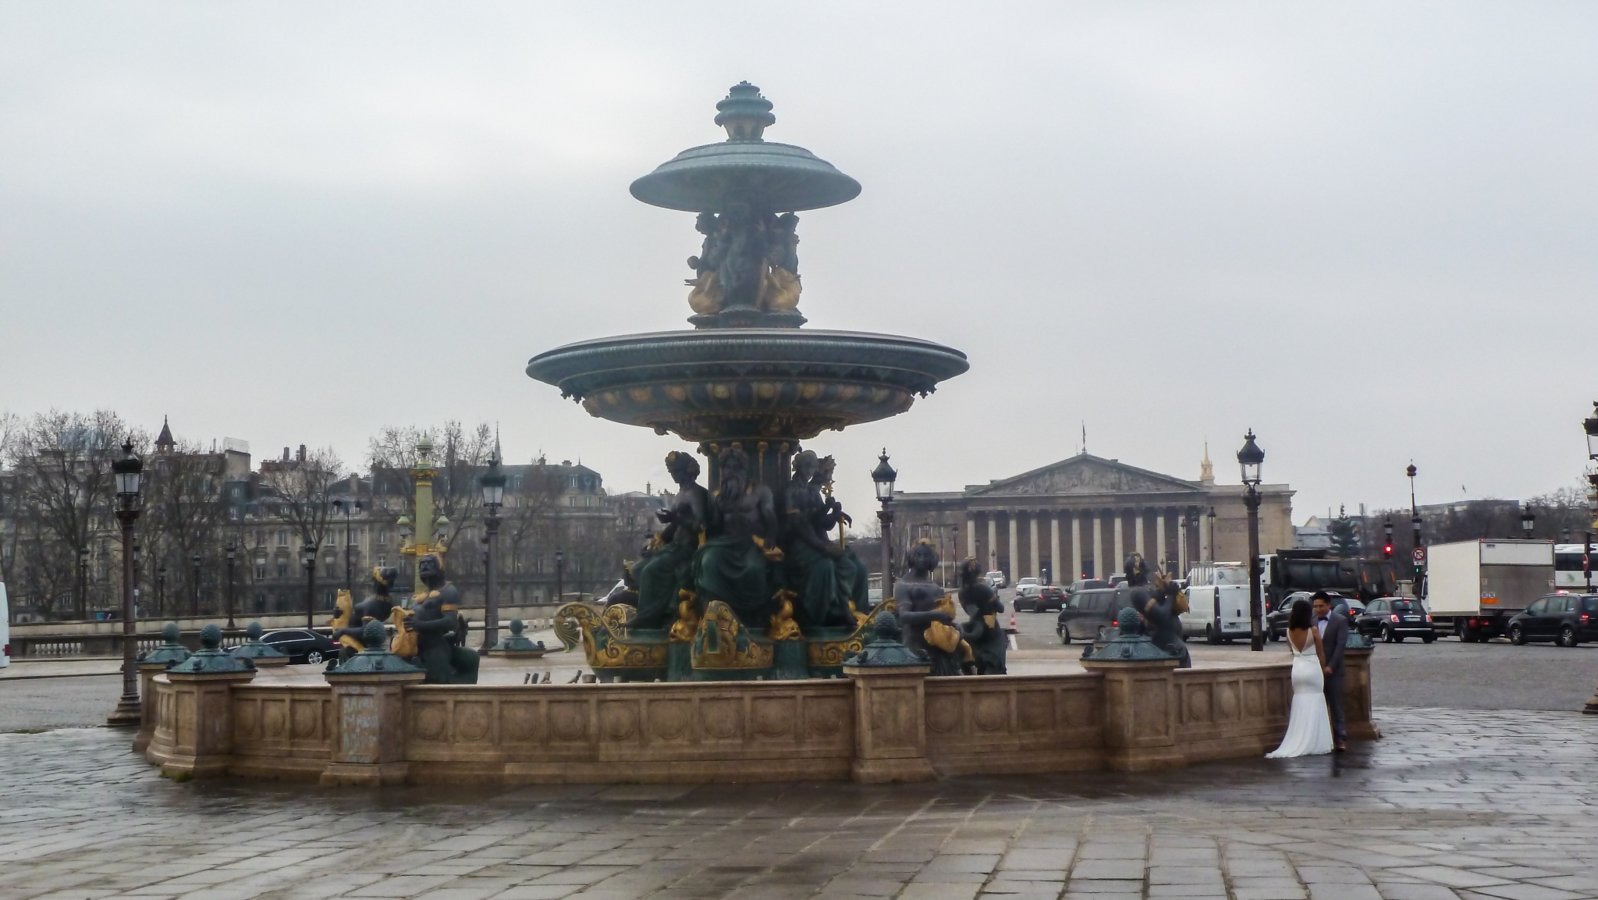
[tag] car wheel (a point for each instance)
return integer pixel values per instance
(1065, 637)
(1274, 636)
(314, 657)
(1429, 638)
(1210, 636)
(1517, 635)
(1567, 637)
(1387, 634)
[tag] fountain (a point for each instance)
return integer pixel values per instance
(746, 385)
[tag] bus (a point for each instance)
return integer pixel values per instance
(1569, 573)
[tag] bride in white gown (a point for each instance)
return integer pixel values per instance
(1309, 728)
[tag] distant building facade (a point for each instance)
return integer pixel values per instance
(1081, 517)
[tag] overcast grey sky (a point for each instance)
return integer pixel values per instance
(1366, 230)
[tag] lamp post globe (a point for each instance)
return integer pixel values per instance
(128, 471)
(1251, 459)
(1528, 522)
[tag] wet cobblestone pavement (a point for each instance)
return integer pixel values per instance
(1450, 804)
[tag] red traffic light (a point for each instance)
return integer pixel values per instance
(1387, 551)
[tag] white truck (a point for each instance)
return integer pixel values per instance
(1474, 587)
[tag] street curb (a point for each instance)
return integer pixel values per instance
(9, 677)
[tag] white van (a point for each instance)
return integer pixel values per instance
(1217, 602)
(5, 628)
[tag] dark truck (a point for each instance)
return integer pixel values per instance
(1289, 571)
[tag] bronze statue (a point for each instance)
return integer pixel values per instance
(440, 630)
(706, 297)
(779, 291)
(347, 627)
(927, 628)
(987, 638)
(741, 530)
(669, 566)
(820, 572)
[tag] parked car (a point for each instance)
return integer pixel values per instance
(1276, 619)
(1395, 618)
(1038, 598)
(1051, 597)
(1567, 619)
(1022, 584)
(1086, 612)
(995, 579)
(301, 645)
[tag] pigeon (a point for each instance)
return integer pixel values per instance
(528, 679)
(546, 679)
(576, 678)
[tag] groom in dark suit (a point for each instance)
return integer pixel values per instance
(1333, 626)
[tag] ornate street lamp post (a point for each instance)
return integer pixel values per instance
(884, 476)
(308, 557)
(232, 554)
(83, 583)
(1211, 548)
(1528, 522)
(1250, 458)
(160, 588)
(1590, 425)
(260, 575)
(493, 485)
(348, 508)
(194, 586)
(1414, 523)
(560, 576)
(128, 472)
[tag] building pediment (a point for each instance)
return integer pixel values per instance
(1085, 474)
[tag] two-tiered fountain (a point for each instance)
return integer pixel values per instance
(743, 580)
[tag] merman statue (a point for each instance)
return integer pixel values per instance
(669, 566)
(983, 632)
(440, 631)
(741, 530)
(926, 613)
(347, 627)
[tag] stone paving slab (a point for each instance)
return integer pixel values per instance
(1450, 804)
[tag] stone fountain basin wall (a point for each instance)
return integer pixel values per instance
(908, 727)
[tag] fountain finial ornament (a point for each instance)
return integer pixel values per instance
(744, 113)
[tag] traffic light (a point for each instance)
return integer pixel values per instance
(1387, 550)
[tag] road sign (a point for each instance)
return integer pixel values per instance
(1418, 554)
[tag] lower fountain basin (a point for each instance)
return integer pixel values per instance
(778, 382)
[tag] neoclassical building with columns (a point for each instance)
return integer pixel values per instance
(1081, 516)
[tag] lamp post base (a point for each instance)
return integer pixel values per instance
(127, 713)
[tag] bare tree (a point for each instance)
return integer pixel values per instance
(297, 493)
(459, 456)
(533, 522)
(64, 489)
(184, 512)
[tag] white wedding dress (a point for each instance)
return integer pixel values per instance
(1309, 727)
